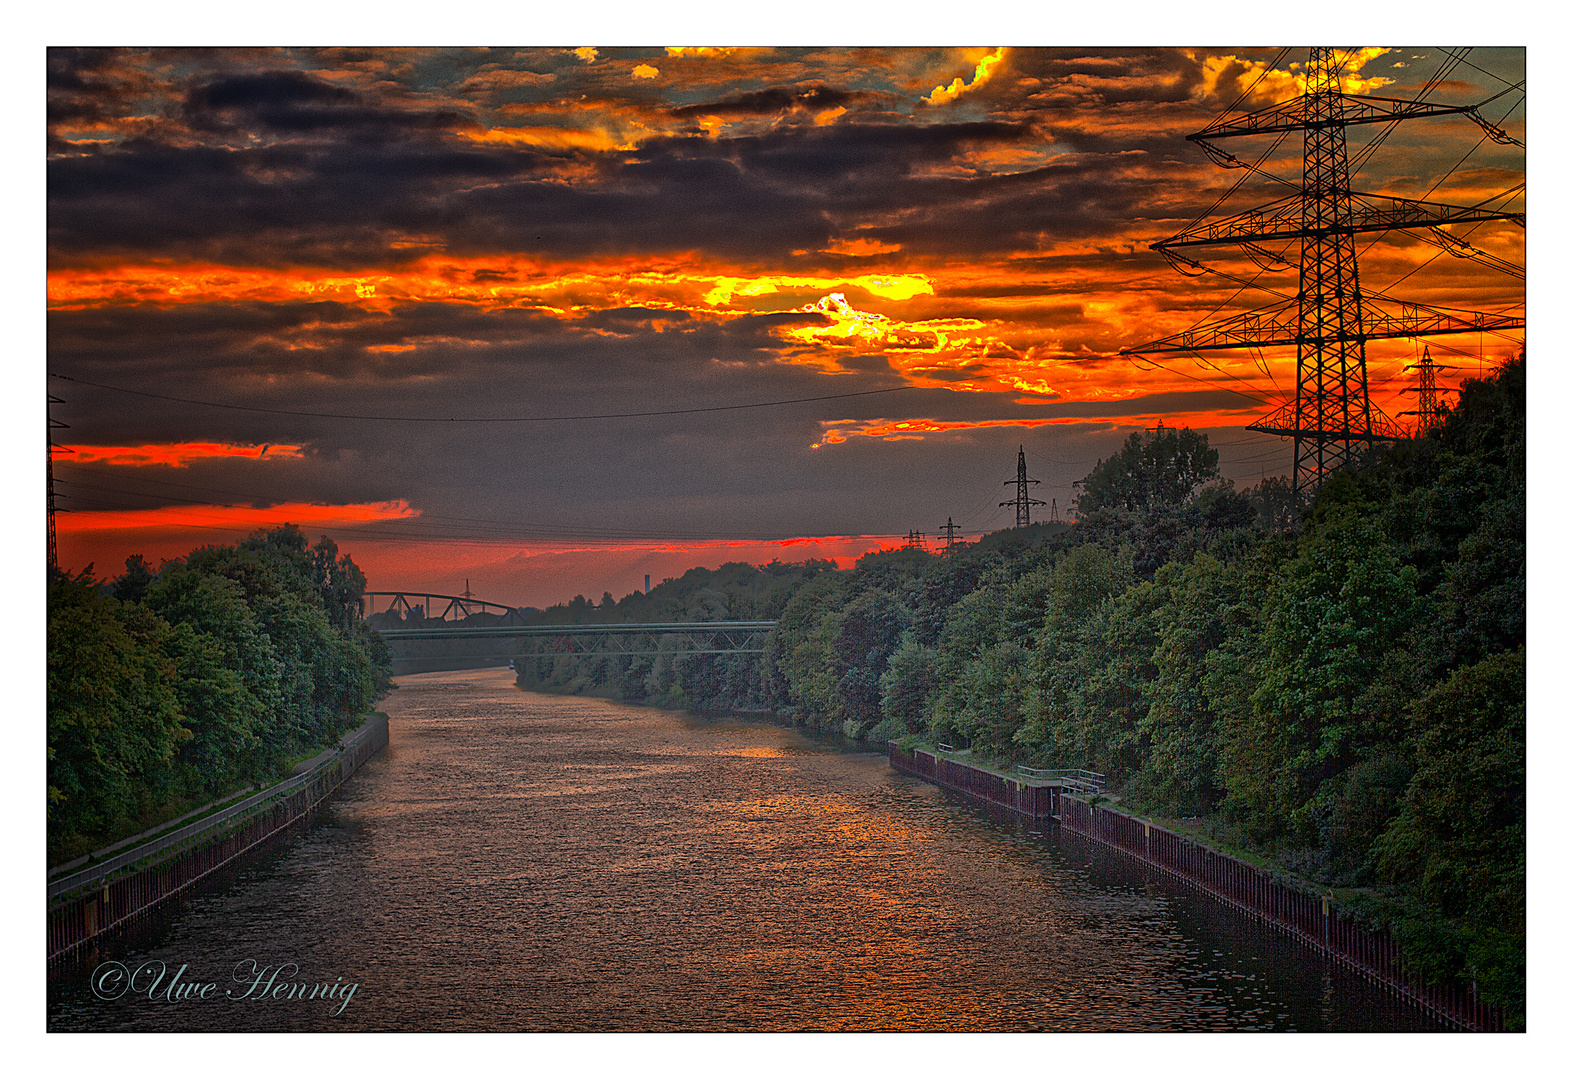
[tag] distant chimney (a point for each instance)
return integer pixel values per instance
(647, 584)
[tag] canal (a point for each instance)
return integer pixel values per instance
(521, 862)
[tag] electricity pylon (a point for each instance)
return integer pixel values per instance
(1330, 319)
(1429, 411)
(49, 471)
(1022, 504)
(949, 531)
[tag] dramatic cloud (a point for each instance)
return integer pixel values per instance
(542, 317)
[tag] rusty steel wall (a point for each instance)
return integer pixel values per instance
(1036, 801)
(75, 924)
(1309, 918)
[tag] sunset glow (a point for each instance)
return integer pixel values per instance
(410, 261)
(178, 454)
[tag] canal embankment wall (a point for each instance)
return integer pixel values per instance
(1311, 919)
(129, 889)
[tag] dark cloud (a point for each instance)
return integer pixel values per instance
(292, 102)
(1028, 201)
(774, 100)
(751, 197)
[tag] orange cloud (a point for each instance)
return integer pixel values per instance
(1006, 325)
(505, 280)
(942, 95)
(553, 138)
(233, 518)
(861, 247)
(179, 455)
(1278, 84)
(885, 286)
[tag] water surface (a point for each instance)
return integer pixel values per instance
(522, 862)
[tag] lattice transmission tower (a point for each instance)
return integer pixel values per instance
(1430, 410)
(1021, 502)
(1329, 320)
(49, 472)
(950, 530)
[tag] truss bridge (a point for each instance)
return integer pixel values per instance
(611, 639)
(435, 632)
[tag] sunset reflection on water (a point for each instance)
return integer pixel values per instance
(519, 862)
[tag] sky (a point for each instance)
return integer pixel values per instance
(539, 322)
(593, 204)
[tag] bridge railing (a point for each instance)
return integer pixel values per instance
(608, 639)
(582, 630)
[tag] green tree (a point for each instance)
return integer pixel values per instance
(1458, 842)
(231, 681)
(867, 631)
(1329, 618)
(134, 582)
(114, 717)
(799, 652)
(908, 685)
(1061, 726)
(1160, 468)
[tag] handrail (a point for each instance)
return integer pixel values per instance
(164, 846)
(585, 629)
(1079, 779)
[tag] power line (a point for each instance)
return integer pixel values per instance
(1331, 414)
(477, 419)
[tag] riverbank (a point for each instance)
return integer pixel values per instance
(1286, 905)
(128, 888)
(613, 862)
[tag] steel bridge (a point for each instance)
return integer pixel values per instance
(455, 607)
(498, 624)
(611, 639)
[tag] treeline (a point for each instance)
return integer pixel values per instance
(735, 591)
(169, 688)
(1339, 686)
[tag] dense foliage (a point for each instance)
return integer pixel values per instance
(167, 689)
(1344, 693)
(736, 591)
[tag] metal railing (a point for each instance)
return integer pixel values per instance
(1075, 779)
(162, 848)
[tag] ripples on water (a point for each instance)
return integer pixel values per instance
(521, 862)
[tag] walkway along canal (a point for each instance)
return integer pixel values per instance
(1308, 918)
(116, 895)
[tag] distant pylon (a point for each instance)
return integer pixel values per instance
(1022, 504)
(49, 471)
(1054, 510)
(1431, 411)
(950, 530)
(915, 540)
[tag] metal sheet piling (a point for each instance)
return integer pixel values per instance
(1310, 918)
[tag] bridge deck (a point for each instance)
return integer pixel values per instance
(753, 626)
